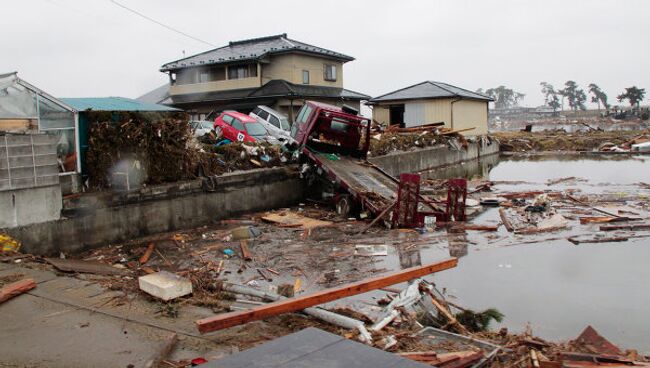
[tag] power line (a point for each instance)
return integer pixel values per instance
(161, 24)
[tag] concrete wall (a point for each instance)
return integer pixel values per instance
(396, 163)
(120, 217)
(290, 66)
(21, 207)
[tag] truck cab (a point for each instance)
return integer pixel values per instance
(326, 128)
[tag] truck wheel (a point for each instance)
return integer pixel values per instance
(344, 206)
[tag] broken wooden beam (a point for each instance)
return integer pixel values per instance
(245, 252)
(16, 288)
(301, 302)
(447, 313)
(147, 254)
(505, 220)
(625, 227)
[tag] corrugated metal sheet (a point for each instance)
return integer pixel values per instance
(114, 104)
(414, 114)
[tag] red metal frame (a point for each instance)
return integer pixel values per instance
(456, 196)
(405, 213)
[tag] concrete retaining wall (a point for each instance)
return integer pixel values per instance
(396, 163)
(121, 217)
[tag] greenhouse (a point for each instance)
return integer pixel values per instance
(25, 109)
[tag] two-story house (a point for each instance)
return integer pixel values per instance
(275, 71)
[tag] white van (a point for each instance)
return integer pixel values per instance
(276, 123)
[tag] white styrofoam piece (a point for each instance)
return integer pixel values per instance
(165, 285)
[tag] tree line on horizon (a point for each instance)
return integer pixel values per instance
(554, 98)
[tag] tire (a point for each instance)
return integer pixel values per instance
(344, 206)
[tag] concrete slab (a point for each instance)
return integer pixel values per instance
(39, 276)
(38, 332)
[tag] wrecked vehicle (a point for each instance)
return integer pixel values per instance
(238, 127)
(334, 143)
(276, 123)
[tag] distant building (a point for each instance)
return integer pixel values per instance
(275, 71)
(433, 102)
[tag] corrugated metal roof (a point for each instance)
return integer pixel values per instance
(252, 49)
(114, 104)
(430, 89)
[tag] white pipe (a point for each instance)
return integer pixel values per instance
(322, 314)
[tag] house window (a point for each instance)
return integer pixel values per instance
(329, 72)
(242, 71)
(305, 77)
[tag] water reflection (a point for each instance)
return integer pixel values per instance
(475, 169)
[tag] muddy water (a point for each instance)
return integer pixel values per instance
(557, 287)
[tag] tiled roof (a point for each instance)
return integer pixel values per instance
(430, 89)
(252, 49)
(273, 89)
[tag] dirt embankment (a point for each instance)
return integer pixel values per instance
(562, 141)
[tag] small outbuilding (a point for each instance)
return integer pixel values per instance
(433, 102)
(85, 106)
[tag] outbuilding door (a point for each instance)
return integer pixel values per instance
(414, 114)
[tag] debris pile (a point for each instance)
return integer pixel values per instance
(563, 141)
(406, 139)
(158, 149)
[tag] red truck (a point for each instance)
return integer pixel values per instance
(334, 143)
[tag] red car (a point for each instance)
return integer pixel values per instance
(236, 126)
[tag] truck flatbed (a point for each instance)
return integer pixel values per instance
(362, 180)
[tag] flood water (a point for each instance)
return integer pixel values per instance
(556, 286)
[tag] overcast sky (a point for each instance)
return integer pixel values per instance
(74, 48)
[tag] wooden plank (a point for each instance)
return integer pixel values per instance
(505, 220)
(450, 317)
(624, 227)
(14, 289)
(305, 301)
(245, 252)
(147, 254)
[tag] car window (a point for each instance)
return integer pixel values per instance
(206, 125)
(256, 129)
(228, 119)
(237, 124)
(284, 123)
(264, 115)
(193, 125)
(275, 121)
(256, 111)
